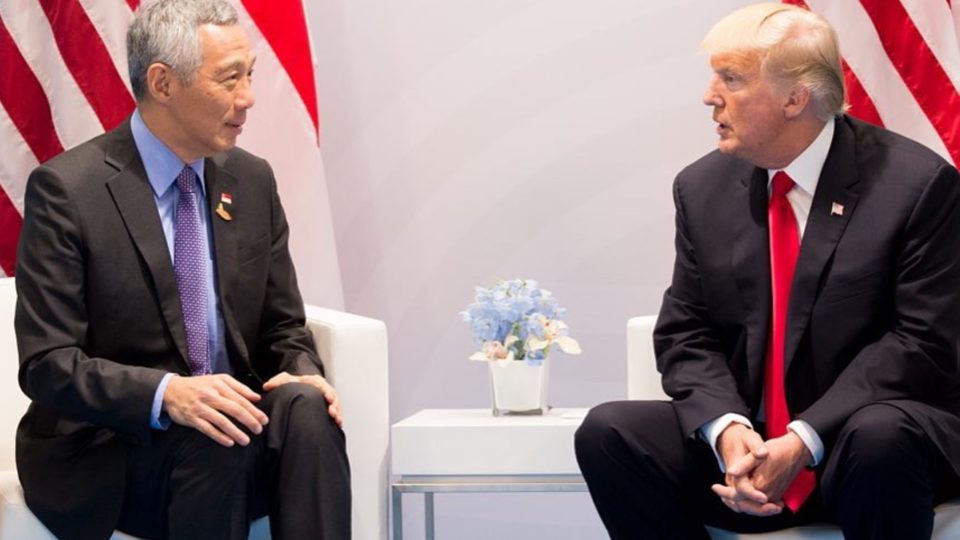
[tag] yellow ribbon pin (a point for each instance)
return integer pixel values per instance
(222, 212)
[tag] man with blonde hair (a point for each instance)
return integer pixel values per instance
(809, 336)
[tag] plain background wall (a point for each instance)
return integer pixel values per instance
(468, 141)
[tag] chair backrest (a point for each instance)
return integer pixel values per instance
(13, 403)
(643, 379)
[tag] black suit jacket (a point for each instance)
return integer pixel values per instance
(99, 320)
(874, 309)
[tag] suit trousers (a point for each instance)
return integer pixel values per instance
(185, 486)
(880, 480)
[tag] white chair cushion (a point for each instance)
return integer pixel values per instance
(946, 526)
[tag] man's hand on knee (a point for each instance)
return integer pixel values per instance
(333, 400)
(209, 402)
(743, 451)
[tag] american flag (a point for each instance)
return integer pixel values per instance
(902, 65)
(63, 80)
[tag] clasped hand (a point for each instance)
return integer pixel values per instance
(758, 471)
(213, 403)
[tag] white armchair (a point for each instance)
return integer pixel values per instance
(643, 382)
(354, 350)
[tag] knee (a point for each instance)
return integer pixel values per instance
(597, 423)
(878, 437)
(599, 430)
(877, 441)
(305, 407)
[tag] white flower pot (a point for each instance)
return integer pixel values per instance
(518, 387)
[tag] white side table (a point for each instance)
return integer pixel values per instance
(470, 450)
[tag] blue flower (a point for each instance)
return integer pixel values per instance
(521, 309)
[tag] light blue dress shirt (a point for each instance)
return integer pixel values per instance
(162, 167)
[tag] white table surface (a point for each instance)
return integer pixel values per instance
(464, 442)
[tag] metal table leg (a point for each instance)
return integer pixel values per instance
(428, 515)
(430, 485)
(397, 513)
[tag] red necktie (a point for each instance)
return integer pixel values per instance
(784, 249)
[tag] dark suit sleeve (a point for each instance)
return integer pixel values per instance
(51, 321)
(916, 358)
(284, 342)
(689, 353)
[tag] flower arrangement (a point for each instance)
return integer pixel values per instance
(517, 320)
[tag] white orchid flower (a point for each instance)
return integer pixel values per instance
(552, 334)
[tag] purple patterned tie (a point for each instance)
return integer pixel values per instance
(190, 265)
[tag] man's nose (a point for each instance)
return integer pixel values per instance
(711, 97)
(245, 98)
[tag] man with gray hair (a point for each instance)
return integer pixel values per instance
(809, 336)
(176, 392)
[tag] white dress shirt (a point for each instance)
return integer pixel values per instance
(805, 172)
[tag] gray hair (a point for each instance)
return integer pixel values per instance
(165, 31)
(794, 47)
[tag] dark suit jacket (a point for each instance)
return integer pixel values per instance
(99, 320)
(874, 310)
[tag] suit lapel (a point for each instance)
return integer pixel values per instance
(825, 226)
(751, 264)
(221, 187)
(134, 200)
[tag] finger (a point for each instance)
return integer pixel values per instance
(724, 492)
(207, 429)
(258, 417)
(236, 407)
(747, 491)
(756, 446)
(240, 388)
(228, 428)
(333, 399)
(744, 465)
(754, 509)
(335, 414)
(321, 384)
(731, 504)
(277, 380)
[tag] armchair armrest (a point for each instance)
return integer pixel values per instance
(354, 354)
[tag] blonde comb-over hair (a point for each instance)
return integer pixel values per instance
(794, 47)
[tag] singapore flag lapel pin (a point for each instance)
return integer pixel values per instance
(225, 201)
(836, 209)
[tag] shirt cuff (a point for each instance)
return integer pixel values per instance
(711, 431)
(810, 439)
(159, 419)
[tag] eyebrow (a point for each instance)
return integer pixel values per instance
(236, 66)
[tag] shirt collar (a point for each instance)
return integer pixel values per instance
(805, 170)
(161, 164)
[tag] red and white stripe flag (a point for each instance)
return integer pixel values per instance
(63, 80)
(902, 65)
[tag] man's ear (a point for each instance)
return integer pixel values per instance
(161, 82)
(796, 102)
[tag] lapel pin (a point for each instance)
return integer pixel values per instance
(836, 209)
(222, 212)
(226, 198)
